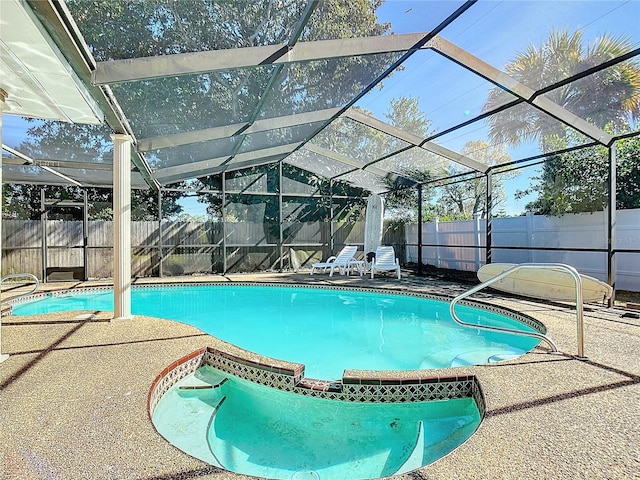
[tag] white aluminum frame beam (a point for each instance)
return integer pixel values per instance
(501, 79)
(145, 68)
(206, 167)
(415, 140)
(31, 161)
(338, 157)
(227, 131)
(60, 164)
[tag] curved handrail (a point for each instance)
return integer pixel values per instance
(22, 275)
(579, 311)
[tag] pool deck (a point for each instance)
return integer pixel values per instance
(73, 394)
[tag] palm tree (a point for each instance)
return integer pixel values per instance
(610, 97)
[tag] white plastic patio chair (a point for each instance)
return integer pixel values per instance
(340, 261)
(385, 261)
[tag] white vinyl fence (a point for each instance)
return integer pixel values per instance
(457, 243)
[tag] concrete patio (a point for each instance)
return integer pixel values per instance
(73, 394)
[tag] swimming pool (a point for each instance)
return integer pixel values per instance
(327, 330)
(252, 429)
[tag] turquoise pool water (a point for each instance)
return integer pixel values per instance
(256, 430)
(326, 330)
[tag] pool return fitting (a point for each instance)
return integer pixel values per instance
(556, 266)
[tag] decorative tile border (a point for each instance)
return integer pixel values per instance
(413, 386)
(171, 375)
(56, 293)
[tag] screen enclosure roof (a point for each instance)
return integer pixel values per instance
(370, 96)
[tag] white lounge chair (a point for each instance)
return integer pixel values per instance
(340, 261)
(385, 261)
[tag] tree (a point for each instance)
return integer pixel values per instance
(457, 200)
(401, 202)
(466, 198)
(576, 182)
(608, 97)
(22, 201)
(90, 144)
(117, 30)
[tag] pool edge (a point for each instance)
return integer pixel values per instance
(355, 386)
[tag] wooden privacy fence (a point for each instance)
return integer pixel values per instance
(171, 247)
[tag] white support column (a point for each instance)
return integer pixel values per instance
(477, 239)
(121, 226)
(3, 96)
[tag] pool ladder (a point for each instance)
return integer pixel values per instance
(579, 309)
(22, 275)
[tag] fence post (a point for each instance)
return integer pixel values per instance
(419, 229)
(530, 234)
(476, 239)
(611, 224)
(436, 225)
(489, 231)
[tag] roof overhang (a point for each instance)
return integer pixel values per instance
(35, 74)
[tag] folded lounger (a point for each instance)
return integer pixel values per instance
(340, 261)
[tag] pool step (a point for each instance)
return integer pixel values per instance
(202, 386)
(415, 459)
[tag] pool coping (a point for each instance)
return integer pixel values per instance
(355, 386)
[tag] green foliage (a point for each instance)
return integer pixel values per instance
(22, 201)
(117, 30)
(574, 182)
(404, 113)
(456, 200)
(246, 199)
(90, 144)
(401, 201)
(609, 97)
(464, 199)
(577, 182)
(628, 173)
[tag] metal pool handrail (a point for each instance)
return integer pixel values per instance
(579, 299)
(22, 275)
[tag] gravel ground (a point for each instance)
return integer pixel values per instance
(73, 395)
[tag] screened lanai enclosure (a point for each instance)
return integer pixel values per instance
(231, 136)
